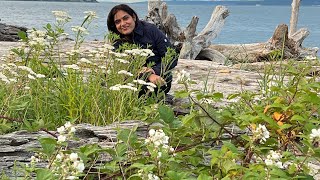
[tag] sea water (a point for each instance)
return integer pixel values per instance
(250, 23)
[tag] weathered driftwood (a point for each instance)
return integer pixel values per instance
(256, 52)
(294, 16)
(187, 40)
(16, 147)
(199, 46)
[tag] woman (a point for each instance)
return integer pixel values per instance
(124, 21)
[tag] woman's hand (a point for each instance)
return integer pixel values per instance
(157, 80)
(146, 70)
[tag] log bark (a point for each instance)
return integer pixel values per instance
(294, 16)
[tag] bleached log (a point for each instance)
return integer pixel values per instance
(261, 51)
(299, 36)
(192, 48)
(158, 15)
(294, 16)
(199, 46)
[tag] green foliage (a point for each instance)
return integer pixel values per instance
(270, 134)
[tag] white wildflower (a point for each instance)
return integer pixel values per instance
(79, 29)
(183, 76)
(61, 130)
(157, 137)
(90, 15)
(140, 81)
(153, 177)
(72, 130)
(268, 162)
(72, 66)
(84, 60)
(115, 87)
(62, 138)
(79, 166)
(315, 134)
(125, 73)
(61, 16)
(150, 84)
(151, 89)
(128, 87)
(261, 132)
(73, 157)
(108, 46)
(40, 76)
(71, 177)
(31, 77)
(122, 61)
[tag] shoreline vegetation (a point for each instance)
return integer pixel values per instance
(270, 131)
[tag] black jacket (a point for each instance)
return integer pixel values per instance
(148, 35)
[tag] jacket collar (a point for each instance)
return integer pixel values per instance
(139, 28)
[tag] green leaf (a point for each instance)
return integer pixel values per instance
(278, 173)
(232, 96)
(204, 177)
(188, 119)
(173, 175)
(44, 174)
(127, 136)
(166, 113)
(230, 146)
(297, 118)
(22, 35)
(285, 126)
(48, 146)
(181, 94)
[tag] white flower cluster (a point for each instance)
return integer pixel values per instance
(119, 55)
(183, 77)
(61, 16)
(37, 37)
(273, 158)
(206, 101)
(125, 73)
(90, 15)
(122, 61)
(149, 85)
(72, 66)
(153, 177)
(79, 29)
(69, 166)
(118, 87)
(65, 132)
(159, 139)
(85, 61)
(141, 52)
(9, 73)
(315, 134)
(261, 132)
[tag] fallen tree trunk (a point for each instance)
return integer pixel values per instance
(199, 46)
(279, 42)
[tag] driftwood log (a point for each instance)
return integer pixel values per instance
(198, 46)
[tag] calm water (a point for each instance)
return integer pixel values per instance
(245, 24)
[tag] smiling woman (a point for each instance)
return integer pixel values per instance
(124, 21)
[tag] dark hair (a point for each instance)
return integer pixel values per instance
(110, 21)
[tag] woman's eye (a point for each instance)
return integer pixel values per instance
(117, 22)
(125, 17)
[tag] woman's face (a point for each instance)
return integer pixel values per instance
(125, 23)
